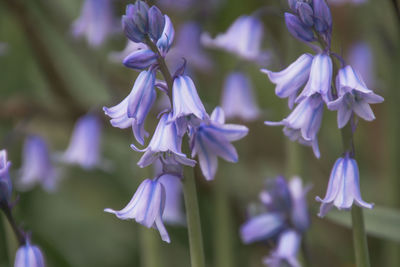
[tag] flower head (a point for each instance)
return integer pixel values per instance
(286, 252)
(29, 256)
(5, 182)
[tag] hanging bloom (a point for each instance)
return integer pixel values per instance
(95, 21)
(294, 135)
(29, 256)
(132, 111)
(146, 207)
(165, 144)
(361, 58)
(353, 96)
(320, 78)
(37, 167)
(238, 99)
(212, 139)
(84, 147)
(262, 227)
(276, 195)
(243, 38)
(290, 80)
(173, 212)
(343, 188)
(286, 252)
(5, 182)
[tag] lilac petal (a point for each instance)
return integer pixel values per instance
(29, 256)
(343, 116)
(161, 228)
(140, 59)
(261, 227)
(208, 163)
(232, 132)
(372, 98)
(218, 115)
(363, 110)
(167, 37)
(219, 146)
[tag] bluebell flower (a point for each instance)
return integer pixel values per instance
(243, 38)
(140, 59)
(320, 78)
(135, 22)
(130, 47)
(290, 80)
(286, 252)
(165, 144)
(5, 181)
(85, 145)
(238, 98)
(298, 29)
(173, 212)
(262, 227)
(295, 135)
(213, 138)
(132, 111)
(343, 188)
(361, 59)
(167, 37)
(322, 16)
(37, 167)
(353, 96)
(299, 215)
(95, 22)
(146, 207)
(29, 255)
(276, 195)
(156, 23)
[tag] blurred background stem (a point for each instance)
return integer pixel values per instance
(150, 248)
(4, 259)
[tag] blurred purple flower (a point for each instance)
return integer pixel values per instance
(262, 227)
(295, 135)
(95, 22)
(5, 181)
(343, 188)
(361, 58)
(37, 166)
(298, 29)
(238, 99)
(29, 256)
(300, 217)
(276, 195)
(146, 207)
(173, 212)
(286, 252)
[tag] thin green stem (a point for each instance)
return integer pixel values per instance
(17, 231)
(193, 219)
(4, 259)
(150, 247)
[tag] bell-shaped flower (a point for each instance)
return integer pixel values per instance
(276, 195)
(165, 144)
(262, 227)
(85, 145)
(29, 256)
(243, 38)
(37, 167)
(286, 252)
(320, 78)
(95, 22)
(5, 181)
(353, 96)
(294, 135)
(238, 98)
(167, 37)
(146, 207)
(343, 188)
(290, 80)
(156, 22)
(212, 139)
(173, 212)
(299, 216)
(132, 111)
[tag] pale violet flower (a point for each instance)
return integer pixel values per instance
(290, 80)
(262, 227)
(146, 207)
(286, 252)
(238, 98)
(353, 96)
(5, 181)
(29, 256)
(295, 135)
(361, 59)
(299, 212)
(343, 188)
(213, 138)
(173, 212)
(167, 37)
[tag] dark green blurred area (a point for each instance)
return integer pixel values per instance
(70, 225)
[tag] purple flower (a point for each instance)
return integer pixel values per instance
(165, 145)
(129, 49)
(343, 188)
(167, 37)
(84, 147)
(290, 80)
(173, 212)
(135, 21)
(5, 182)
(262, 227)
(294, 135)
(37, 166)
(322, 16)
(132, 111)
(212, 139)
(361, 58)
(238, 99)
(140, 59)
(29, 256)
(95, 21)
(300, 217)
(286, 252)
(276, 195)
(298, 29)
(353, 96)
(146, 207)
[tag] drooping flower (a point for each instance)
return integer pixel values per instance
(85, 146)
(95, 22)
(343, 188)
(5, 181)
(213, 138)
(132, 111)
(290, 80)
(37, 167)
(146, 207)
(29, 256)
(238, 99)
(353, 96)
(286, 252)
(173, 212)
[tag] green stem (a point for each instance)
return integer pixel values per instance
(18, 232)
(3, 244)
(193, 219)
(150, 247)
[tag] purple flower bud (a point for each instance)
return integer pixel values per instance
(29, 256)
(140, 59)
(156, 22)
(305, 12)
(5, 182)
(276, 195)
(135, 21)
(298, 29)
(118, 56)
(290, 80)
(167, 37)
(292, 5)
(146, 207)
(322, 16)
(286, 252)
(37, 167)
(262, 227)
(343, 188)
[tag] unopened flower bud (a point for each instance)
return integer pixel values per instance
(140, 59)
(298, 29)
(156, 23)
(135, 21)
(305, 13)
(322, 16)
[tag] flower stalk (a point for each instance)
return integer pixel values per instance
(4, 206)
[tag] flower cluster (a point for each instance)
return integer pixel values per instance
(310, 22)
(209, 136)
(285, 219)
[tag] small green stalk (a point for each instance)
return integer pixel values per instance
(150, 248)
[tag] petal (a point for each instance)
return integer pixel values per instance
(261, 227)
(363, 110)
(208, 162)
(218, 115)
